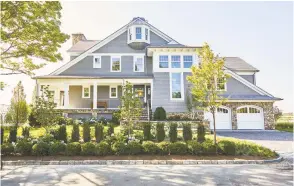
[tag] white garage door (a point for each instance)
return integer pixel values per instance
(250, 117)
(222, 117)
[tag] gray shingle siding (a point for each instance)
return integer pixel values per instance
(236, 87)
(249, 78)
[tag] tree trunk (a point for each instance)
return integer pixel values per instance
(214, 132)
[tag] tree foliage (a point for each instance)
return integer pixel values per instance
(208, 81)
(44, 108)
(18, 110)
(30, 30)
(130, 107)
(277, 113)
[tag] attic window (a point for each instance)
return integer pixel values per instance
(97, 62)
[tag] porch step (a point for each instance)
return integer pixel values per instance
(144, 115)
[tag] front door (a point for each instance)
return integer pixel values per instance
(140, 93)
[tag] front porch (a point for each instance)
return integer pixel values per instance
(94, 96)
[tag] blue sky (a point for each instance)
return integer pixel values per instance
(261, 33)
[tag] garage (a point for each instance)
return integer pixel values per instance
(250, 117)
(222, 117)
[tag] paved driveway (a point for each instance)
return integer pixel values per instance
(281, 142)
(134, 175)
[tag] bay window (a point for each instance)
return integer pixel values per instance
(138, 33)
(176, 61)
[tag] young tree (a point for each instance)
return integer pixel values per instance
(29, 30)
(208, 80)
(18, 110)
(277, 113)
(130, 107)
(44, 108)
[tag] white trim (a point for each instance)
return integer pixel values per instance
(95, 92)
(247, 106)
(244, 73)
(110, 87)
(112, 61)
(240, 101)
(116, 54)
(247, 83)
(134, 61)
(224, 90)
(83, 91)
(94, 64)
(182, 87)
(132, 29)
(105, 41)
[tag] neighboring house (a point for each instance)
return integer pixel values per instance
(157, 65)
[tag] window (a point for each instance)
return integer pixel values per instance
(115, 64)
(221, 85)
(253, 110)
(188, 61)
(113, 92)
(96, 62)
(176, 86)
(130, 34)
(222, 110)
(86, 92)
(163, 61)
(242, 110)
(138, 33)
(146, 34)
(138, 64)
(176, 61)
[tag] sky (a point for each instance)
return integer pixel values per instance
(261, 33)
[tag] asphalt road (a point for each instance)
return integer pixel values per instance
(146, 175)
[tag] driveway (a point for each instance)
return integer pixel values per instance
(146, 175)
(281, 142)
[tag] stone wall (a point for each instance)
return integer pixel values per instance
(268, 113)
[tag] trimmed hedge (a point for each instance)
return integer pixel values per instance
(103, 149)
(134, 147)
(159, 114)
(26, 132)
(178, 148)
(187, 131)
(149, 147)
(173, 132)
(41, 149)
(88, 149)
(200, 133)
(12, 134)
(160, 132)
(57, 148)
(86, 132)
(7, 149)
(147, 131)
(73, 149)
(288, 126)
(61, 133)
(23, 147)
(75, 133)
(99, 132)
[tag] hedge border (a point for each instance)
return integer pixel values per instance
(138, 162)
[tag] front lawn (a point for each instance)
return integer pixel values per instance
(284, 126)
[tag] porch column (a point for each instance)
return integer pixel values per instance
(95, 95)
(66, 95)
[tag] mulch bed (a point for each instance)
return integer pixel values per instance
(136, 157)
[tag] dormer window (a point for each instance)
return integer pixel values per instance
(138, 33)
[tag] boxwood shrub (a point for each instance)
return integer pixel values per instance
(119, 148)
(173, 132)
(73, 149)
(134, 147)
(57, 148)
(149, 147)
(159, 114)
(227, 147)
(23, 147)
(7, 149)
(178, 148)
(103, 148)
(88, 149)
(163, 147)
(40, 149)
(194, 147)
(208, 147)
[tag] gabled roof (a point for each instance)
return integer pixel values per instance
(107, 40)
(250, 97)
(238, 64)
(83, 45)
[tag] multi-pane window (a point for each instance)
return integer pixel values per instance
(222, 110)
(188, 61)
(242, 110)
(253, 110)
(138, 33)
(176, 61)
(115, 64)
(96, 62)
(138, 64)
(176, 86)
(221, 85)
(86, 92)
(146, 34)
(163, 61)
(113, 92)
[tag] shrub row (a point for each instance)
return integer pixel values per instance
(225, 146)
(285, 125)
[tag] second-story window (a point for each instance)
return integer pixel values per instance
(188, 61)
(96, 62)
(138, 33)
(138, 64)
(176, 61)
(163, 61)
(115, 64)
(221, 85)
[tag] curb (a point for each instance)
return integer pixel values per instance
(138, 162)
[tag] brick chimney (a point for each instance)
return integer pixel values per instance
(77, 37)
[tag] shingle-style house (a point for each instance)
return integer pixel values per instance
(89, 85)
